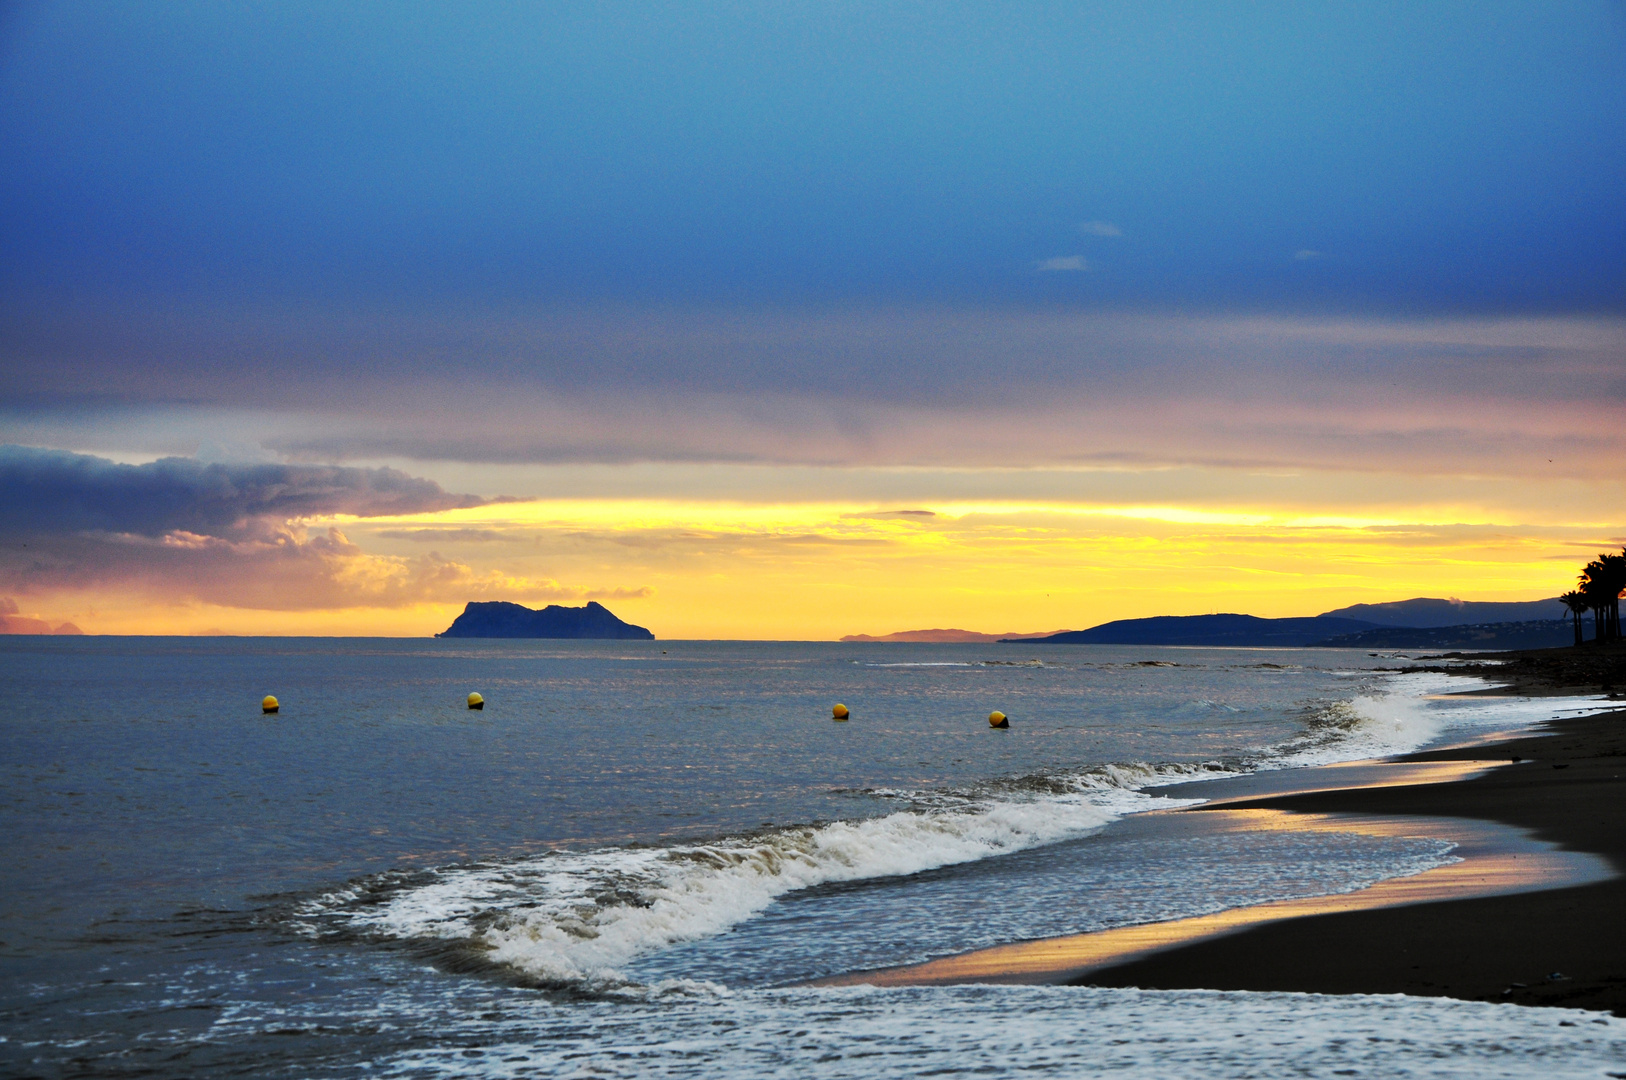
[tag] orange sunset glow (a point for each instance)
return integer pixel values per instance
(818, 570)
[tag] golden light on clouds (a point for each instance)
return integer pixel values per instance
(820, 570)
(1066, 549)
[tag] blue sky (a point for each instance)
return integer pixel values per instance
(1040, 268)
(1347, 157)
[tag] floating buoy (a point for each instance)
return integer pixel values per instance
(476, 701)
(269, 705)
(840, 712)
(998, 719)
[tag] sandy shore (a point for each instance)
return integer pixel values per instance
(1489, 859)
(1566, 784)
(1569, 788)
(1433, 935)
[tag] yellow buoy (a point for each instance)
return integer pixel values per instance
(998, 719)
(269, 705)
(840, 712)
(476, 701)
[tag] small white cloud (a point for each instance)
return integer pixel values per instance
(1063, 262)
(1305, 255)
(1100, 228)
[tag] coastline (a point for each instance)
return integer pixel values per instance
(1589, 669)
(1570, 789)
(1530, 941)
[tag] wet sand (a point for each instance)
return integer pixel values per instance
(1489, 928)
(1569, 788)
(1490, 859)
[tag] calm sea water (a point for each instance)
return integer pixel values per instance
(626, 862)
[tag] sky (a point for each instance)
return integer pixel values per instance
(793, 320)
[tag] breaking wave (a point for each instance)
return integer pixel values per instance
(576, 918)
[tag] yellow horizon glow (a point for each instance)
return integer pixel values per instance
(791, 570)
(632, 513)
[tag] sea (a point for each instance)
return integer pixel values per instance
(635, 858)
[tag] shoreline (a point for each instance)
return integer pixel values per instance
(1566, 672)
(1488, 859)
(1530, 942)
(1569, 788)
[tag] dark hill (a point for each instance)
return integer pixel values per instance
(1423, 611)
(1538, 634)
(1209, 630)
(500, 619)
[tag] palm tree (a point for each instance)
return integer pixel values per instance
(1614, 582)
(1577, 605)
(1601, 583)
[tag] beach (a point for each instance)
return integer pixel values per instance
(1531, 914)
(1569, 788)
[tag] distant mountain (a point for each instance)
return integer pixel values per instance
(1425, 612)
(499, 619)
(1210, 630)
(964, 637)
(24, 624)
(1538, 634)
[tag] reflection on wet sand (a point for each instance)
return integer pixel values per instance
(1339, 776)
(1492, 859)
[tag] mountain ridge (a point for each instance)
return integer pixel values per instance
(1501, 636)
(1221, 630)
(1465, 618)
(1425, 611)
(949, 636)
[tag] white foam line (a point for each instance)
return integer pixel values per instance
(581, 916)
(1029, 1031)
(1410, 711)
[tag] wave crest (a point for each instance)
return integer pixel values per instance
(574, 918)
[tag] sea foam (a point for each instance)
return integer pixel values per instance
(1007, 1031)
(1408, 712)
(579, 917)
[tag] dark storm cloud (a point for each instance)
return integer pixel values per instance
(44, 492)
(280, 570)
(226, 534)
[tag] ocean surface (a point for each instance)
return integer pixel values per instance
(629, 861)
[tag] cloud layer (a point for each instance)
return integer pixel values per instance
(830, 386)
(231, 535)
(52, 491)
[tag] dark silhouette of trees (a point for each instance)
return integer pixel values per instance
(1592, 590)
(1601, 583)
(1577, 604)
(1614, 583)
